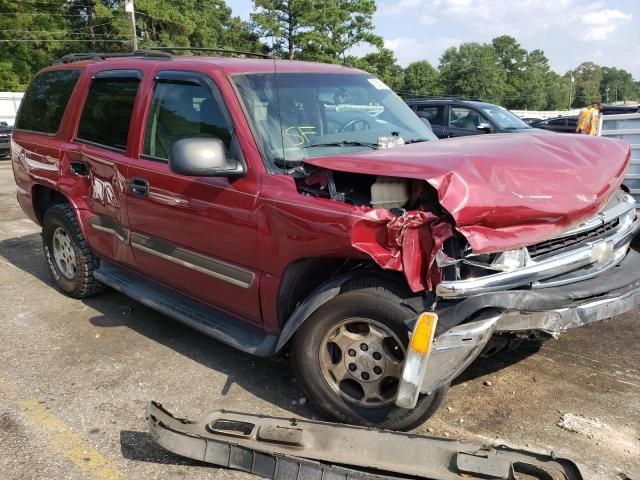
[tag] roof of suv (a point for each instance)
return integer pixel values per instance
(422, 101)
(229, 65)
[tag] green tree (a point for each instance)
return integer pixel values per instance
(557, 88)
(34, 39)
(618, 84)
(337, 26)
(511, 57)
(315, 30)
(588, 77)
(383, 65)
(420, 78)
(285, 22)
(472, 71)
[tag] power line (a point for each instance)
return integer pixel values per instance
(48, 40)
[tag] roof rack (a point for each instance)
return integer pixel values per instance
(153, 52)
(76, 57)
(207, 49)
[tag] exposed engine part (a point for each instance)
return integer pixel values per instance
(389, 192)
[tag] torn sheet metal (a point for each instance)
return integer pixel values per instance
(505, 191)
(407, 243)
(290, 449)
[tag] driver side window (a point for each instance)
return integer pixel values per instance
(181, 110)
(465, 118)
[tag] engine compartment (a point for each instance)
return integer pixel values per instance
(390, 193)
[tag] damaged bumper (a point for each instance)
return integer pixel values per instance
(551, 310)
(291, 449)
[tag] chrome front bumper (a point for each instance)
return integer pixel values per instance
(574, 265)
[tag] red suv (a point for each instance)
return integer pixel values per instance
(279, 204)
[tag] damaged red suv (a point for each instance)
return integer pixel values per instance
(286, 205)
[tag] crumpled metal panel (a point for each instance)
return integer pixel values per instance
(505, 191)
(407, 243)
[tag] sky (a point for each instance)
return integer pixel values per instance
(568, 31)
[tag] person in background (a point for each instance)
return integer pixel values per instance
(588, 120)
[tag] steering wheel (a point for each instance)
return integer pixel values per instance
(356, 121)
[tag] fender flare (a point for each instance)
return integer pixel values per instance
(309, 305)
(322, 295)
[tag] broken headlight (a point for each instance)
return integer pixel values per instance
(503, 261)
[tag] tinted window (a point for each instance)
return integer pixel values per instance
(558, 122)
(45, 101)
(182, 110)
(107, 112)
(433, 113)
(466, 118)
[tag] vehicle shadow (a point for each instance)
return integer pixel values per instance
(270, 379)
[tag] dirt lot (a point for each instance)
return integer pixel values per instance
(75, 377)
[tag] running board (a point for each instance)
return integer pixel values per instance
(197, 315)
(290, 449)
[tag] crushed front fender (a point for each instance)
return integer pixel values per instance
(291, 449)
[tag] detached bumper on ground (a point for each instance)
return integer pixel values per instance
(550, 310)
(292, 449)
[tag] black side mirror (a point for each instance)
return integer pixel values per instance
(203, 157)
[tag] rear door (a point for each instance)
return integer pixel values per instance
(194, 234)
(463, 121)
(435, 113)
(102, 133)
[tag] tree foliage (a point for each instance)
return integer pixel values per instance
(421, 78)
(36, 32)
(320, 30)
(472, 70)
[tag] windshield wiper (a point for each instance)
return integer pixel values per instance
(416, 140)
(344, 143)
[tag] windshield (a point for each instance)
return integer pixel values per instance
(504, 118)
(301, 115)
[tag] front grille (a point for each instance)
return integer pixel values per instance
(556, 244)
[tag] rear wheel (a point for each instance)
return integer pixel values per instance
(348, 357)
(68, 255)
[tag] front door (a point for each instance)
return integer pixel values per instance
(464, 121)
(194, 234)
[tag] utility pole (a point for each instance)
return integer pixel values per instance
(607, 91)
(570, 88)
(89, 10)
(129, 8)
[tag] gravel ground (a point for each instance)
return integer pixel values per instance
(75, 377)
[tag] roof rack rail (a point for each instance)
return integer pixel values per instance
(76, 57)
(207, 49)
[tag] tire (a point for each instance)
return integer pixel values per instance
(379, 303)
(76, 280)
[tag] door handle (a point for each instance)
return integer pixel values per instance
(139, 187)
(80, 169)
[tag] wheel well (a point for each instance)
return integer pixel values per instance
(305, 275)
(44, 198)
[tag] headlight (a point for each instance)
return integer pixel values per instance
(511, 260)
(628, 218)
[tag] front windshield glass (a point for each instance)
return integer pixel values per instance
(504, 118)
(301, 115)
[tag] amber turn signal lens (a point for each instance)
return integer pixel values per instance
(423, 332)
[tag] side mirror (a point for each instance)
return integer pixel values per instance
(203, 157)
(484, 127)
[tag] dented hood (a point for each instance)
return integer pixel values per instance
(505, 191)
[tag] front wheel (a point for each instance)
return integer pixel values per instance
(348, 357)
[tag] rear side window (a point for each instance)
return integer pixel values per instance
(182, 110)
(45, 101)
(107, 111)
